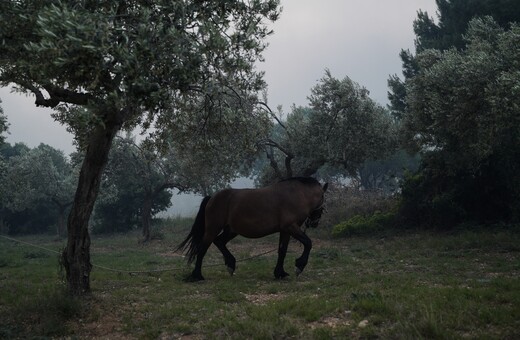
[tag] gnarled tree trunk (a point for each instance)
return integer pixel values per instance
(76, 256)
(60, 227)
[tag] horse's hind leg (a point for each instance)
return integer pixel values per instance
(196, 275)
(279, 272)
(221, 242)
(208, 238)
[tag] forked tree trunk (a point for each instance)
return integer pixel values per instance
(76, 256)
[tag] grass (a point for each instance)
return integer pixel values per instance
(416, 285)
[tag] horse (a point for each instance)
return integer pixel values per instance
(283, 207)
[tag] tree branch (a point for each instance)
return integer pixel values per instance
(272, 161)
(67, 96)
(273, 115)
(56, 95)
(288, 157)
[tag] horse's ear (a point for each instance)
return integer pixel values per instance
(325, 186)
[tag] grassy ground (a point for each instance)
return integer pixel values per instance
(414, 285)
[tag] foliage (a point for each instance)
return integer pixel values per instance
(37, 180)
(131, 59)
(457, 105)
(435, 197)
(43, 173)
(39, 219)
(132, 173)
(209, 152)
(364, 225)
(463, 112)
(346, 201)
(386, 174)
(454, 16)
(343, 127)
(448, 32)
(7, 151)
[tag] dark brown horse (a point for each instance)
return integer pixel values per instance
(279, 208)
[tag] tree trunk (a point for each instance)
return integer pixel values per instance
(61, 223)
(76, 256)
(60, 228)
(146, 217)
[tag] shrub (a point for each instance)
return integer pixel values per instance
(345, 202)
(361, 225)
(435, 197)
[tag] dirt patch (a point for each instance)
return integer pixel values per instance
(332, 322)
(171, 254)
(108, 327)
(262, 299)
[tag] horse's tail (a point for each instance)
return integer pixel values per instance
(194, 239)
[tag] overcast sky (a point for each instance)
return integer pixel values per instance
(360, 39)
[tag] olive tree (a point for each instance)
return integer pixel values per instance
(127, 64)
(41, 175)
(443, 33)
(463, 110)
(342, 128)
(133, 186)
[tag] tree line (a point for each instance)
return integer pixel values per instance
(183, 73)
(139, 177)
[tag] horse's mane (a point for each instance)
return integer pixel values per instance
(303, 180)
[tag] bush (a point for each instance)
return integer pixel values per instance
(345, 202)
(361, 225)
(436, 197)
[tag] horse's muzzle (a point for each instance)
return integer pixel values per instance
(314, 218)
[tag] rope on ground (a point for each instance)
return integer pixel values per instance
(30, 244)
(136, 272)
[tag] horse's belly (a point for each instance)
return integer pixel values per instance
(254, 229)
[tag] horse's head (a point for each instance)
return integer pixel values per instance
(314, 217)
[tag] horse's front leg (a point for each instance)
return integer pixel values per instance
(301, 262)
(279, 272)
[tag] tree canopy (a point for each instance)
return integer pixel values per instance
(445, 33)
(463, 114)
(342, 128)
(37, 188)
(133, 176)
(456, 106)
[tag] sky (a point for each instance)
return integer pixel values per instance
(360, 39)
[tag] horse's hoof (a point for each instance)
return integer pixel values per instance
(298, 271)
(280, 274)
(231, 271)
(194, 278)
